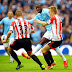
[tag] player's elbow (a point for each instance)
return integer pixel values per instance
(9, 32)
(33, 32)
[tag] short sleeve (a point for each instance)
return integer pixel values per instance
(50, 21)
(2, 21)
(32, 28)
(12, 26)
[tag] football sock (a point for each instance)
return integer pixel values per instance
(37, 48)
(7, 52)
(11, 58)
(47, 58)
(60, 53)
(36, 59)
(14, 55)
(50, 57)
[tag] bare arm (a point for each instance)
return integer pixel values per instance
(41, 22)
(8, 35)
(33, 32)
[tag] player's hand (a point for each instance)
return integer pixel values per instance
(37, 21)
(5, 41)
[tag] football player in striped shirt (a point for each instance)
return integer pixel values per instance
(43, 15)
(56, 39)
(22, 29)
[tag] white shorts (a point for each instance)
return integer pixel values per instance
(48, 35)
(11, 40)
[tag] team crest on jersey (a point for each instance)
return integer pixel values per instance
(43, 15)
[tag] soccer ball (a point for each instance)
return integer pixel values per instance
(3, 37)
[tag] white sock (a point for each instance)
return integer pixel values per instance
(60, 53)
(37, 48)
(11, 58)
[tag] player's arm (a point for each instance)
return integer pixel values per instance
(45, 23)
(33, 32)
(32, 20)
(9, 33)
(41, 22)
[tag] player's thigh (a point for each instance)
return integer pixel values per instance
(46, 48)
(11, 40)
(15, 45)
(48, 35)
(9, 49)
(54, 44)
(28, 46)
(43, 40)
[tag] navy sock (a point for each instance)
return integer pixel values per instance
(36, 59)
(50, 57)
(46, 57)
(14, 55)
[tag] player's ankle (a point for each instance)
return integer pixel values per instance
(19, 63)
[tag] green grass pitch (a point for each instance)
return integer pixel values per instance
(31, 66)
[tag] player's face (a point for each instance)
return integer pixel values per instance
(50, 12)
(10, 14)
(39, 9)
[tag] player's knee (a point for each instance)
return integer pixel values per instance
(30, 54)
(9, 49)
(43, 51)
(6, 48)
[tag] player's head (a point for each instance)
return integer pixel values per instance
(18, 13)
(52, 10)
(39, 8)
(10, 14)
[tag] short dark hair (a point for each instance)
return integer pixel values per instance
(38, 5)
(18, 13)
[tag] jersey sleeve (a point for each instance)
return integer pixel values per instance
(12, 26)
(50, 21)
(2, 21)
(31, 21)
(32, 28)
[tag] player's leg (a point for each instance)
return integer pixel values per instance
(43, 40)
(11, 40)
(52, 45)
(45, 50)
(15, 46)
(28, 48)
(6, 45)
(41, 43)
(34, 57)
(38, 47)
(14, 55)
(63, 57)
(6, 48)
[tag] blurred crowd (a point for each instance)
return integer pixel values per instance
(29, 12)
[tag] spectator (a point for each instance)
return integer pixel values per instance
(70, 16)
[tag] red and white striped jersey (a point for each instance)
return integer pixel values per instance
(56, 26)
(22, 28)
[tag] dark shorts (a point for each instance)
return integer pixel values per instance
(54, 44)
(22, 43)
